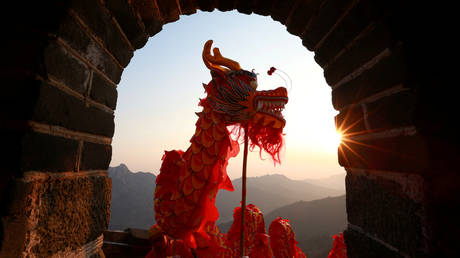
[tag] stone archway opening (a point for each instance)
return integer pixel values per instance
(165, 95)
(65, 58)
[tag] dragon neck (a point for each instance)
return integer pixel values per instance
(210, 143)
(188, 183)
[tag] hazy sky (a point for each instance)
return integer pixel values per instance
(160, 89)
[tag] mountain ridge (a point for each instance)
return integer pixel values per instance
(132, 198)
(269, 192)
(132, 192)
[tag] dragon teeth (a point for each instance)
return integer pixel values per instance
(270, 106)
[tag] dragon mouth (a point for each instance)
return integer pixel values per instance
(266, 128)
(272, 106)
(269, 105)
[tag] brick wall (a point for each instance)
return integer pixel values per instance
(61, 63)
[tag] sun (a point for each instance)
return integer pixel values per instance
(337, 138)
(332, 139)
(328, 140)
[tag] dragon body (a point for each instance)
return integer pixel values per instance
(184, 199)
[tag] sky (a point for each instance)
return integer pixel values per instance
(159, 92)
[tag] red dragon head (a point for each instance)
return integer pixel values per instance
(233, 93)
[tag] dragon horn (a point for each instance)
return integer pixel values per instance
(217, 61)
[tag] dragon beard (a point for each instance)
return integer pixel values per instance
(268, 139)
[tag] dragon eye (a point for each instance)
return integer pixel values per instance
(253, 84)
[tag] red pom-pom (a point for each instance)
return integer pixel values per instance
(271, 71)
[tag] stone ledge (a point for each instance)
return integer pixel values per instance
(361, 246)
(128, 243)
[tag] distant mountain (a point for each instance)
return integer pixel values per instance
(270, 192)
(314, 223)
(132, 198)
(335, 181)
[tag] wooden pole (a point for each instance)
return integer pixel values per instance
(243, 190)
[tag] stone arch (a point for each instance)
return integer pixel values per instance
(62, 62)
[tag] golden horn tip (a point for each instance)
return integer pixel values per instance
(217, 61)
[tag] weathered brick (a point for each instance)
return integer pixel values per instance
(66, 68)
(363, 50)
(393, 111)
(361, 246)
(95, 156)
(207, 5)
(188, 6)
(402, 153)
(73, 35)
(169, 10)
(42, 152)
(264, 7)
(246, 7)
(327, 15)
(350, 121)
(126, 16)
(66, 212)
(153, 26)
(103, 92)
(281, 10)
(301, 15)
(54, 107)
(150, 15)
(372, 81)
(381, 208)
(226, 5)
(99, 20)
(357, 19)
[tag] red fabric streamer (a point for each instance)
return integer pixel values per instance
(254, 224)
(339, 249)
(282, 240)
